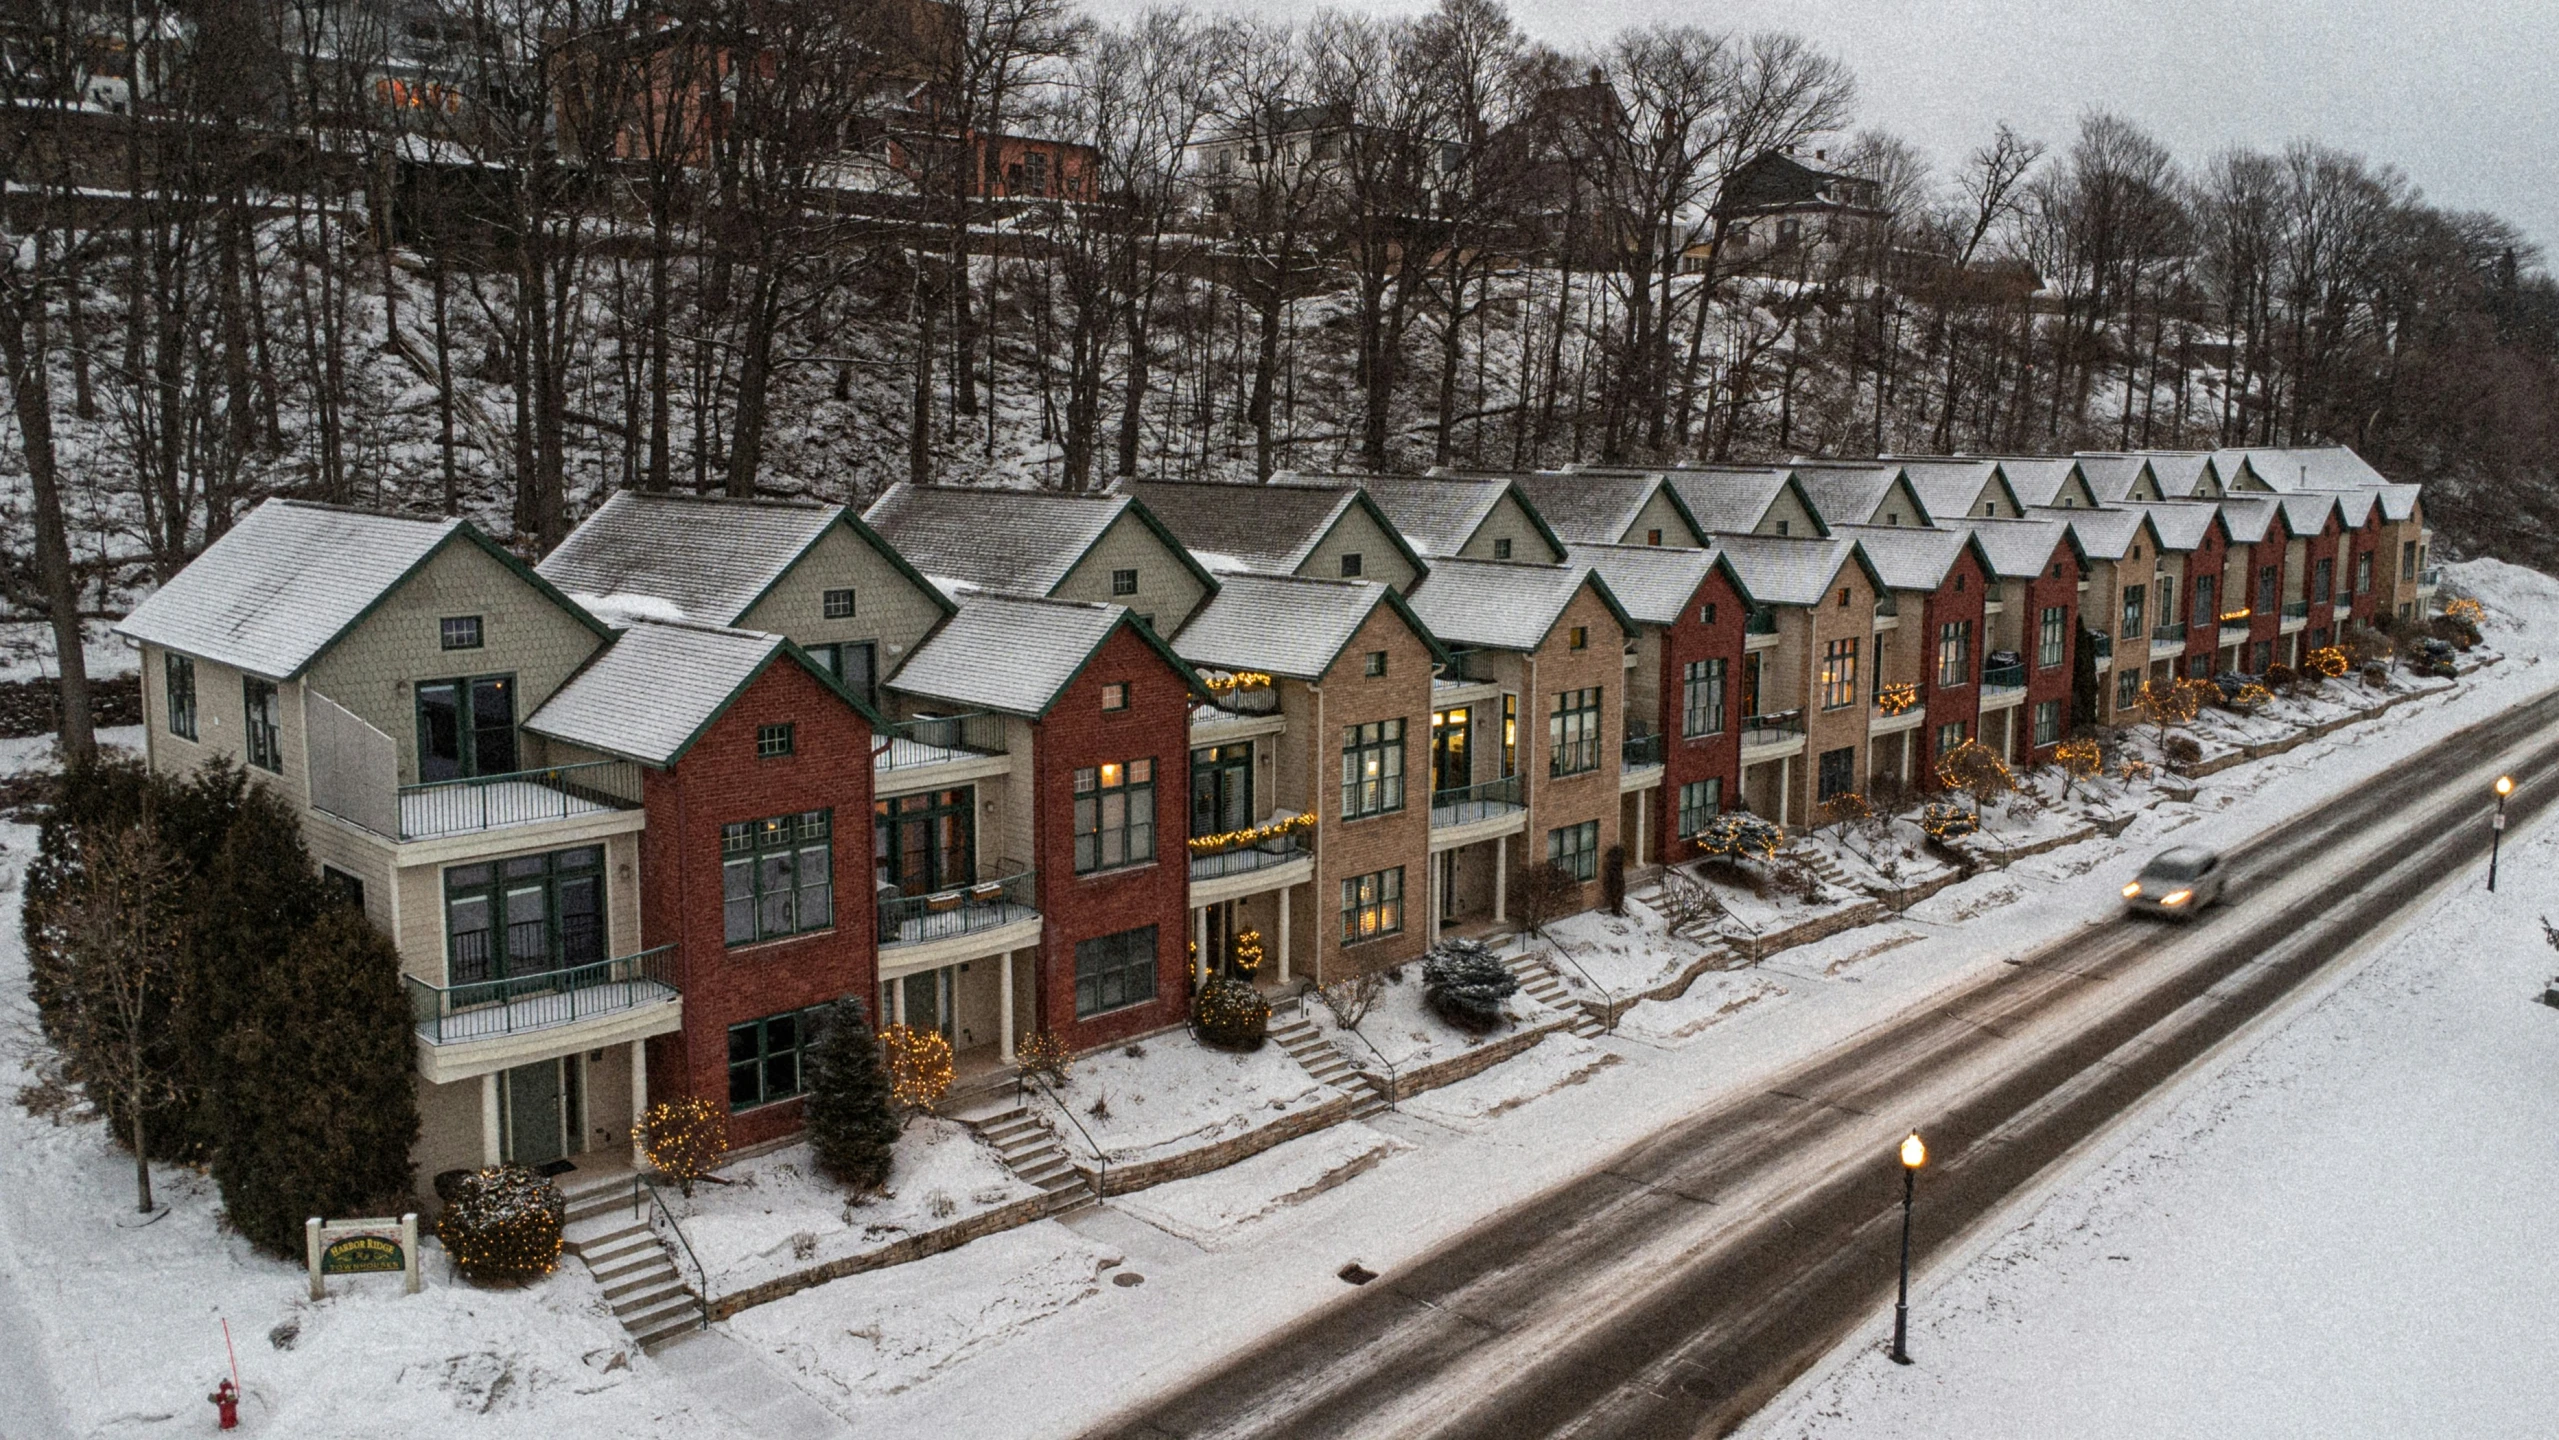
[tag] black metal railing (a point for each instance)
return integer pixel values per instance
(1244, 859)
(519, 797)
(963, 910)
(1258, 700)
(2003, 677)
(1467, 804)
(2172, 633)
(543, 1000)
(645, 1191)
(2104, 648)
(936, 739)
(1640, 752)
(1762, 620)
(1774, 729)
(2297, 610)
(1466, 667)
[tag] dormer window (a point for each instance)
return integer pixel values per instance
(1501, 549)
(459, 632)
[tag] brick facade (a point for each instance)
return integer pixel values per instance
(1845, 614)
(1688, 759)
(1957, 601)
(2211, 556)
(1345, 849)
(2056, 585)
(1555, 802)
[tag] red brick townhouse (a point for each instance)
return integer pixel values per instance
(1059, 901)
(2192, 531)
(2358, 557)
(2033, 622)
(1682, 681)
(755, 770)
(1928, 645)
(2260, 536)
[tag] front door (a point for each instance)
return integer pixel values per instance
(536, 1109)
(1451, 768)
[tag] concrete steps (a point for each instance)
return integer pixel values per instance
(629, 1263)
(1543, 985)
(1031, 1152)
(1306, 1045)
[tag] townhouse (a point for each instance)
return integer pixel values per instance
(2030, 627)
(1925, 694)
(1681, 756)
(1801, 698)
(1312, 531)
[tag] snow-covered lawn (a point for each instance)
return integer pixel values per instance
(1165, 1095)
(1403, 1031)
(1555, 1061)
(1223, 1207)
(2348, 1231)
(1624, 955)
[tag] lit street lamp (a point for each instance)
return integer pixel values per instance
(1913, 1155)
(2497, 828)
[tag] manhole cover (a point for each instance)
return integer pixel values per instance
(1356, 1273)
(1126, 1278)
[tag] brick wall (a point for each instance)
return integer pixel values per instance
(2211, 556)
(1686, 760)
(1555, 667)
(1076, 733)
(720, 781)
(2056, 584)
(1958, 600)
(1842, 728)
(1401, 838)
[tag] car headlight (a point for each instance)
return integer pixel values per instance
(2132, 890)
(2177, 897)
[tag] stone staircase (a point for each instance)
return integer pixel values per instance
(1032, 1153)
(1307, 1046)
(640, 1281)
(1543, 985)
(1822, 865)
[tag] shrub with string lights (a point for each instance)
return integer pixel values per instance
(2081, 761)
(1043, 1054)
(1248, 952)
(1740, 836)
(503, 1223)
(2132, 768)
(2328, 662)
(1231, 1014)
(1942, 821)
(919, 1066)
(2466, 610)
(1897, 699)
(686, 1139)
(2250, 696)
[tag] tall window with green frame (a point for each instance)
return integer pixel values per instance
(1114, 815)
(1702, 697)
(777, 876)
(528, 915)
(263, 716)
(1573, 732)
(466, 727)
(178, 671)
(1372, 768)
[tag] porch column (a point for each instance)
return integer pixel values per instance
(897, 1001)
(1909, 776)
(639, 1098)
(1501, 879)
(1284, 908)
(1785, 789)
(1430, 893)
(489, 1150)
(1004, 1010)
(1199, 945)
(1643, 812)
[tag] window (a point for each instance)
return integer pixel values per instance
(1510, 735)
(1577, 638)
(1115, 695)
(345, 886)
(1702, 698)
(2054, 640)
(1123, 582)
(1372, 768)
(1781, 527)
(764, 1057)
(2265, 588)
(1838, 773)
(2323, 579)
(1114, 815)
(1372, 905)
(2127, 689)
(1952, 734)
(1954, 652)
(772, 741)
(1576, 848)
(1375, 665)
(1113, 972)
(265, 723)
(459, 632)
(1573, 732)
(2363, 573)
(466, 727)
(1699, 802)
(1502, 550)
(2047, 722)
(1706, 616)
(1843, 597)
(1839, 674)
(1222, 788)
(838, 604)
(855, 664)
(777, 876)
(528, 915)
(2136, 600)
(2203, 610)
(179, 670)
(2199, 667)
(1652, 537)
(2407, 556)
(1350, 565)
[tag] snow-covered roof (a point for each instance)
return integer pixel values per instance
(2306, 467)
(2111, 478)
(1014, 653)
(2037, 479)
(2398, 502)
(2181, 473)
(1948, 485)
(2249, 517)
(282, 585)
(2181, 524)
(1283, 625)
(2104, 534)
(2307, 512)
(1906, 557)
(1654, 582)
(1849, 492)
(1786, 569)
(655, 689)
(1255, 527)
(1598, 507)
(2019, 549)
(1023, 542)
(2355, 508)
(1503, 604)
(1436, 514)
(1732, 499)
(709, 558)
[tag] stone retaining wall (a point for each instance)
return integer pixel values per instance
(1465, 1063)
(913, 1247)
(1121, 1179)
(1760, 947)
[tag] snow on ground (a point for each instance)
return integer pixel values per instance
(1162, 1096)
(1622, 954)
(1558, 1059)
(1403, 1031)
(2347, 1232)
(1225, 1207)
(781, 1214)
(1687, 1015)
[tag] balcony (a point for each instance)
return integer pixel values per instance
(938, 740)
(2430, 577)
(1475, 804)
(1245, 859)
(2234, 626)
(2011, 676)
(1897, 708)
(1762, 620)
(1768, 737)
(1640, 752)
(960, 912)
(2170, 634)
(522, 797)
(472, 1028)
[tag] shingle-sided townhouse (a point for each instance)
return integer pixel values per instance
(1463, 517)
(1613, 507)
(1108, 549)
(1324, 709)
(1314, 531)
(1528, 728)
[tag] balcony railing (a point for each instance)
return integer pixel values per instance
(2173, 633)
(521, 797)
(2297, 610)
(1640, 752)
(1774, 729)
(2236, 622)
(1466, 667)
(1762, 620)
(1259, 700)
(2104, 649)
(2429, 577)
(1485, 800)
(544, 1000)
(962, 910)
(1244, 859)
(938, 739)
(2003, 677)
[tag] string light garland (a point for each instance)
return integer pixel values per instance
(1220, 682)
(686, 1139)
(1941, 821)
(2328, 662)
(919, 1066)
(1239, 839)
(2251, 696)
(1042, 1054)
(1740, 835)
(1248, 951)
(2466, 610)
(503, 1223)
(1897, 699)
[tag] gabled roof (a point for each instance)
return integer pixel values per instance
(1015, 654)
(2020, 549)
(2038, 479)
(2184, 524)
(2303, 467)
(2306, 512)
(2106, 534)
(2185, 474)
(1733, 499)
(292, 578)
(1911, 559)
(653, 692)
(2113, 478)
(2356, 508)
(1505, 605)
(1436, 514)
(1284, 625)
(1950, 485)
(712, 558)
(2250, 518)
(2398, 502)
(1269, 528)
(1021, 542)
(1599, 507)
(1656, 582)
(1787, 570)
(1850, 492)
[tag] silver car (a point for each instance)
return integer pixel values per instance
(2178, 882)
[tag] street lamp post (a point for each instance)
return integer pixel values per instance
(2497, 828)
(1913, 1155)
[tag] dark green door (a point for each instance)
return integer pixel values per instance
(536, 1113)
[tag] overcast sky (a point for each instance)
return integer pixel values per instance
(2463, 95)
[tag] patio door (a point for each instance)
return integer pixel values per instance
(1222, 789)
(466, 727)
(1452, 767)
(528, 915)
(539, 1111)
(927, 842)
(1750, 684)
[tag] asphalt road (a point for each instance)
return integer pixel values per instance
(1678, 1287)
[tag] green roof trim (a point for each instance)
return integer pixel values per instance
(462, 529)
(868, 536)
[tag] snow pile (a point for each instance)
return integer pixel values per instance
(875, 1334)
(1555, 1061)
(1163, 1096)
(1713, 999)
(621, 609)
(1217, 1210)
(780, 1213)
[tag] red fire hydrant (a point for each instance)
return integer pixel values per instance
(226, 1400)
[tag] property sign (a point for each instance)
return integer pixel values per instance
(361, 1247)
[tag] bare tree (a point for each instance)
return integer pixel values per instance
(122, 934)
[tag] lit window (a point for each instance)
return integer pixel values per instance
(1114, 815)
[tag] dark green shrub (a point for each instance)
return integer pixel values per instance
(851, 1117)
(1466, 983)
(503, 1223)
(1612, 879)
(1231, 1014)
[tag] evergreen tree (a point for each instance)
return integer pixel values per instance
(851, 1121)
